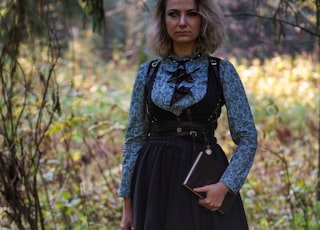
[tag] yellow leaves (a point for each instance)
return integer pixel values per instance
(64, 126)
(5, 220)
(288, 80)
(264, 224)
(301, 182)
(76, 155)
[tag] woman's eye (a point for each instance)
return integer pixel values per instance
(193, 14)
(173, 14)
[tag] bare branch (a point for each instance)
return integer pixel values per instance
(273, 19)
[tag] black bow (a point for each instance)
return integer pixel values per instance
(179, 93)
(179, 76)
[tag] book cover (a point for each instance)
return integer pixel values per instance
(204, 171)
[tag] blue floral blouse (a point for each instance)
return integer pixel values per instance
(241, 123)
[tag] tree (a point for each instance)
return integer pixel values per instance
(29, 98)
(302, 16)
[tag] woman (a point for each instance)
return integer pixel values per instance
(173, 102)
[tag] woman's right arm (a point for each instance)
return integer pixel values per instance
(136, 132)
(126, 221)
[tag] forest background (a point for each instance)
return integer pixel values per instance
(66, 74)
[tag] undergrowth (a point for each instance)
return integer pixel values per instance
(80, 170)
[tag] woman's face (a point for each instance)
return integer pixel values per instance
(183, 22)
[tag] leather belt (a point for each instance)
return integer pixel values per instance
(180, 128)
(182, 133)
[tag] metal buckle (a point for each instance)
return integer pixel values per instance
(155, 63)
(213, 62)
(193, 133)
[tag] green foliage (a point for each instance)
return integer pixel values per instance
(94, 9)
(62, 124)
(79, 170)
(281, 189)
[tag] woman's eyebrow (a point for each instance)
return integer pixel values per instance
(182, 10)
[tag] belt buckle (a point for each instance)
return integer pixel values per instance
(193, 133)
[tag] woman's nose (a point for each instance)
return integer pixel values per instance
(182, 21)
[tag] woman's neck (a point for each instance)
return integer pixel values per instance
(183, 50)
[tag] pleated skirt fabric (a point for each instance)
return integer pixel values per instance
(159, 200)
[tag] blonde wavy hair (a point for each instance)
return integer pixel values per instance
(212, 28)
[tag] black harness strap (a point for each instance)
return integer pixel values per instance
(152, 71)
(214, 62)
(153, 68)
(214, 70)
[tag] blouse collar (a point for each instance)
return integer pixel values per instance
(187, 58)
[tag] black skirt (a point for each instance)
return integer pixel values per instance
(159, 200)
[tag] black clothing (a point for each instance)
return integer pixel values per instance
(159, 201)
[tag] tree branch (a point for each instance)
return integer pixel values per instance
(245, 14)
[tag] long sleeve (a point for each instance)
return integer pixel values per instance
(242, 128)
(240, 118)
(136, 132)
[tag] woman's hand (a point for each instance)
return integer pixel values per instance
(126, 220)
(215, 194)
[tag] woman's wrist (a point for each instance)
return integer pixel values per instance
(224, 188)
(126, 203)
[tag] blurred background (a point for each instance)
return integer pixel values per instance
(66, 73)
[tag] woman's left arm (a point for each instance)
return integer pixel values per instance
(242, 128)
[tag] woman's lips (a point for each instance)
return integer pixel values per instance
(182, 32)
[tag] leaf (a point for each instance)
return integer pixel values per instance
(74, 202)
(48, 176)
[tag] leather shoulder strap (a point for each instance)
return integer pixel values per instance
(214, 63)
(152, 70)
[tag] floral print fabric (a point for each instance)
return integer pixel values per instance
(242, 128)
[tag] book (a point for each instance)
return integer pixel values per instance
(204, 171)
